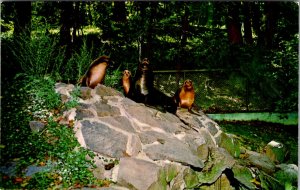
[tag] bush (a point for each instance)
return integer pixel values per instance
(78, 64)
(38, 56)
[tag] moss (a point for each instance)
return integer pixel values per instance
(243, 175)
(230, 144)
(190, 178)
(171, 171)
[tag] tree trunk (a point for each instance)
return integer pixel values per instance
(271, 11)
(76, 22)
(66, 19)
(22, 21)
(150, 32)
(233, 23)
(256, 18)
(184, 27)
(247, 23)
(183, 41)
(143, 15)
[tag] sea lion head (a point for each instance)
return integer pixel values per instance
(126, 73)
(106, 59)
(144, 65)
(188, 84)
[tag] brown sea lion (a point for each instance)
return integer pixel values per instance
(143, 81)
(126, 82)
(96, 72)
(185, 96)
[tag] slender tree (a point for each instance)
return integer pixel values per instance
(233, 23)
(247, 23)
(271, 12)
(256, 19)
(66, 19)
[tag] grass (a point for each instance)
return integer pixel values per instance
(38, 56)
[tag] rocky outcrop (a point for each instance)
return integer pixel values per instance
(139, 147)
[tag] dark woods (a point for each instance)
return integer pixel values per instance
(260, 39)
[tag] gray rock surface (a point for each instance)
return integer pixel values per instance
(155, 150)
(137, 174)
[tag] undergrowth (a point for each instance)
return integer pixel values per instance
(38, 56)
(32, 97)
(54, 148)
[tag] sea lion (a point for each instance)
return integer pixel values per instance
(143, 85)
(126, 82)
(96, 72)
(185, 96)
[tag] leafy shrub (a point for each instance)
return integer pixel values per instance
(113, 78)
(54, 146)
(74, 98)
(78, 64)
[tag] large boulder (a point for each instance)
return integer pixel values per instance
(156, 150)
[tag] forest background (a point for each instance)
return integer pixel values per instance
(253, 46)
(241, 56)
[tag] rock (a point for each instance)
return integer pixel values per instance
(209, 139)
(137, 174)
(191, 120)
(119, 122)
(243, 175)
(171, 171)
(276, 151)
(103, 109)
(149, 137)
(178, 182)
(190, 178)
(111, 187)
(161, 150)
(143, 115)
(64, 89)
(9, 169)
(261, 162)
(203, 152)
(218, 161)
(222, 183)
(102, 139)
(227, 142)
(31, 170)
(68, 116)
(102, 90)
(212, 128)
(174, 150)
(85, 93)
(287, 175)
(36, 126)
(84, 113)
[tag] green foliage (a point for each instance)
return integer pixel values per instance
(38, 56)
(78, 64)
(59, 144)
(248, 134)
(55, 146)
(113, 78)
(74, 98)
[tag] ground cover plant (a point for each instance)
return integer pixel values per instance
(54, 147)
